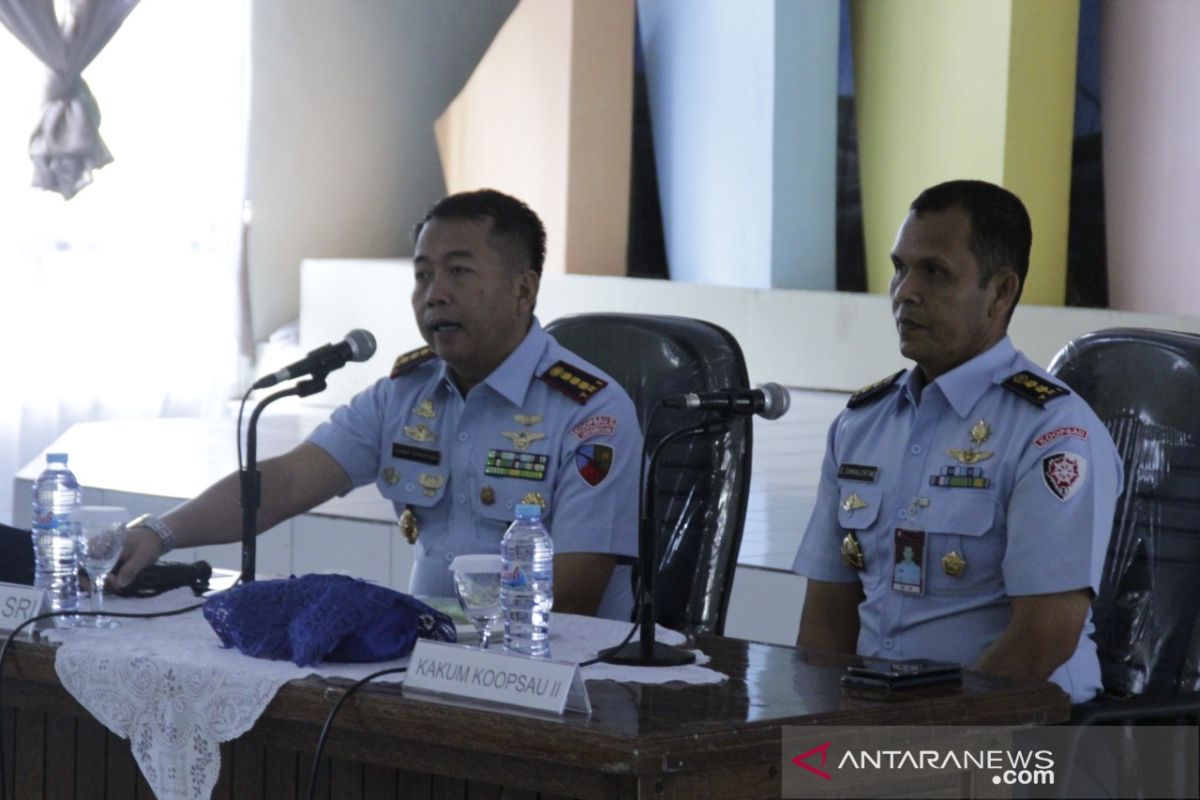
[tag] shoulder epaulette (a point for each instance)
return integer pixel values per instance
(872, 392)
(1034, 388)
(411, 360)
(573, 382)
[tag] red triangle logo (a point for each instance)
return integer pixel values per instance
(823, 749)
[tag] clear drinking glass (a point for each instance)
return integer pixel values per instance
(99, 538)
(477, 585)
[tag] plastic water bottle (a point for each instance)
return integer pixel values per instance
(56, 496)
(527, 583)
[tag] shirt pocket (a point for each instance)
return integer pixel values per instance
(858, 505)
(961, 539)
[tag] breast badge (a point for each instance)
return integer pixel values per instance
(430, 483)
(852, 554)
(853, 502)
(522, 439)
(953, 564)
(408, 525)
(419, 433)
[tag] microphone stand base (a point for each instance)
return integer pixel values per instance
(660, 655)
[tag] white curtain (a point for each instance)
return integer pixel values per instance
(123, 302)
(66, 144)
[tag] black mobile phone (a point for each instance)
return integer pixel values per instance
(880, 673)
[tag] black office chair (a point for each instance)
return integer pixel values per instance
(703, 482)
(1145, 385)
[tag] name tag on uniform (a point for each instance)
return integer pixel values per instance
(858, 472)
(421, 454)
(908, 562)
(20, 604)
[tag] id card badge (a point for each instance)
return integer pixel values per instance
(908, 561)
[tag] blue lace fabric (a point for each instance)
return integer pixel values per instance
(318, 618)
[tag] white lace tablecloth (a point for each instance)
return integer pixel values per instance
(170, 688)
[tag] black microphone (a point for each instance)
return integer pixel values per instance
(359, 345)
(770, 401)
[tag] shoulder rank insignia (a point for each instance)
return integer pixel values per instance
(411, 360)
(872, 392)
(573, 382)
(1033, 388)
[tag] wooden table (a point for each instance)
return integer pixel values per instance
(642, 741)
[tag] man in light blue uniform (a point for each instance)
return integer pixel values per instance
(491, 414)
(999, 478)
(455, 467)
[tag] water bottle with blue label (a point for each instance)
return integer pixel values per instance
(527, 583)
(56, 497)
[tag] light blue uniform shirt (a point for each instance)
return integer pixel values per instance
(445, 480)
(1040, 525)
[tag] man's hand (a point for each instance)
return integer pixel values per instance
(142, 548)
(1042, 634)
(830, 617)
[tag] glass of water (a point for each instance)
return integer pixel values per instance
(477, 584)
(99, 539)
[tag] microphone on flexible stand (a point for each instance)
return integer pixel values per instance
(771, 401)
(359, 345)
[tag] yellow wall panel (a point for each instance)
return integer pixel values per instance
(940, 95)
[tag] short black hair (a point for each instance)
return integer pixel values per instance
(510, 218)
(1001, 234)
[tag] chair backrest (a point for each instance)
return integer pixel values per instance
(1145, 385)
(703, 482)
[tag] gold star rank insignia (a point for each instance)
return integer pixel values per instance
(390, 476)
(953, 564)
(425, 409)
(419, 433)
(430, 483)
(528, 420)
(487, 495)
(522, 439)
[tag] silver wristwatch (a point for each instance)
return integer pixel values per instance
(160, 529)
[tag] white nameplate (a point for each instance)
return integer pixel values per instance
(497, 676)
(19, 603)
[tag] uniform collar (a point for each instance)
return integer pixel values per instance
(965, 384)
(512, 378)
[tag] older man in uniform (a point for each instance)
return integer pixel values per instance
(491, 414)
(994, 480)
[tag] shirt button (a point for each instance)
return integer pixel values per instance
(450, 557)
(508, 504)
(915, 449)
(462, 498)
(408, 487)
(902, 514)
(463, 436)
(887, 644)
